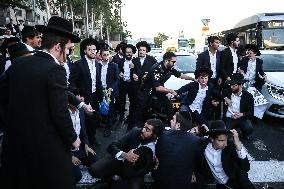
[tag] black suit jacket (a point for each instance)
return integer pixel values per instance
(246, 103)
(40, 128)
(141, 70)
(226, 63)
(243, 65)
(112, 78)
(130, 140)
(177, 152)
(80, 77)
(83, 132)
(231, 163)
(203, 61)
(192, 90)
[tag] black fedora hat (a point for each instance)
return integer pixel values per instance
(7, 42)
(254, 48)
(198, 71)
(217, 127)
(143, 44)
(129, 46)
(17, 50)
(236, 78)
(120, 46)
(59, 26)
(143, 164)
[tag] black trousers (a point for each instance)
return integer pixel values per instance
(109, 166)
(128, 88)
(199, 118)
(244, 125)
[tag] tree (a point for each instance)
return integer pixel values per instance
(158, 40)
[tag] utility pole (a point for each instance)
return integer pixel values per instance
(101, 28)
(86, 19)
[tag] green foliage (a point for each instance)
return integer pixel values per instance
(158, 40)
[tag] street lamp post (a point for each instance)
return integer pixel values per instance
(86, 19)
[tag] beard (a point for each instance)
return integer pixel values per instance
(91, 56)
(128, 57)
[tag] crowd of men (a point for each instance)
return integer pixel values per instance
(51, 106)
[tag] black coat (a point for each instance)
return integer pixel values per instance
(112, 78)
(226, 63)
(80, 77)
(39, 132)
(131, 140)
(203, 61)
(246, 103)
(177, 152)
(232, 165)
(145, 68)
(243, 65)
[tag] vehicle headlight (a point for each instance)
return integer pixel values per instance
(276, 91)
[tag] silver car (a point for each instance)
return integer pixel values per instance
(273, 89)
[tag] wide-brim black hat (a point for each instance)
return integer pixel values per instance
(198, 71)
(120, 46)
(17, 50)
(143, 164)
(5, 44)
(254, 48)
(217, 127)
(61, 27)
(129, 46)
(236, 78)
(143, 44)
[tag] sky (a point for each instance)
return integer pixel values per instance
(145, 18)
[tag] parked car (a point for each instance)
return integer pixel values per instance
(273, 89)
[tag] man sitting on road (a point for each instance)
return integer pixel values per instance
(131, 157)
(223, 161)
(239, 106)
(201, 96)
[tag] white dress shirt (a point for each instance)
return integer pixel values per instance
(198, 101)
(142, 60)
(76, 121)
(65, 65)
(30, 48)
(213, 158)
(104, 74)
(92, 68)
(126, 68)
(235, 59)
(251, 71)
(235, 107)
(213, 61)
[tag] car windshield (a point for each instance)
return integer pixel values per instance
(184, 63)
(273, 62)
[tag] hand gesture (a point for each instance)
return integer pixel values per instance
(131, 65)
(88, 109)
(76, 161)
(215, 103)
(89, 150)
(135, 77)
(121, 75)
(236, 138)
(109, 91)
(228, 102)
(131, 156)
(76, 144)
(237, 115)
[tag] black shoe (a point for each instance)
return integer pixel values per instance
(107, 133)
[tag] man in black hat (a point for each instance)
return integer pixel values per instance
(223, 161)
(5, 62)
(86, 75)
(13, 28)
(177, 152)
(239, 106)
(153, 85)
(251, 67)
(229, 58)
(201, 96)
(37, 143)
(126, 85)
(31, 38)
(125, 151)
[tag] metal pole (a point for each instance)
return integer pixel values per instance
(86, 19)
